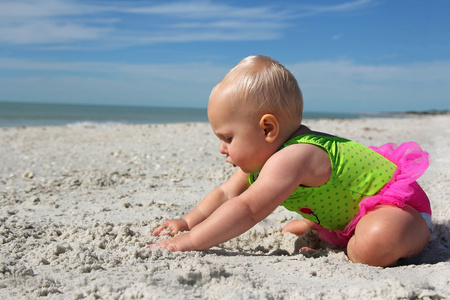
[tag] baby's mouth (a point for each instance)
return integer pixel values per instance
(231, 163)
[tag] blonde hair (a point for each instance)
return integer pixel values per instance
(266, 85)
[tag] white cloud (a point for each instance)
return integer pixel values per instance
(43, 8)
(336, 37)
(61, 22)
(94, 24)
(345, 85)
(311, 10)
(344, 7)
(46, 22)
(326, 85)
(45, 31)
(179, 72)
(205, 10)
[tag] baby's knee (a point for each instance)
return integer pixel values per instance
(370, 249)
(387, 234)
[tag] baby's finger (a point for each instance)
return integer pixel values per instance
(173, 232)
(164, 245)
(158, 229)
(155, 246)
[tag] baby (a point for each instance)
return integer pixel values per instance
(365, 199)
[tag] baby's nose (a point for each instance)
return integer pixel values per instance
(223, 148)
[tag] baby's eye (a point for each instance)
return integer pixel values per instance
(227, 139)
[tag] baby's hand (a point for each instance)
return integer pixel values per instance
(163, 245)
(181, 242)
(175, 226)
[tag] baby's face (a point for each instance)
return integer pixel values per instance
(242, 139)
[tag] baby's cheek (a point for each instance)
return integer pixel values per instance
(238, 156)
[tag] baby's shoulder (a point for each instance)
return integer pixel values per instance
(300, 155)
(305, 164)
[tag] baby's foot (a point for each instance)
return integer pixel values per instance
(298, 227)
(306, 250)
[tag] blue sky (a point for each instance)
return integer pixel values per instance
(348, 56)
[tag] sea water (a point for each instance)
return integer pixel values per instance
(39, 114)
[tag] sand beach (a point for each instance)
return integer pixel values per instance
(78, 204)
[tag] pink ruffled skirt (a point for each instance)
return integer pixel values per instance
(402, 189)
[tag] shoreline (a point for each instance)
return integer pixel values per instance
(312, 116)
(48, 114)
(78, 204)
(431, 112)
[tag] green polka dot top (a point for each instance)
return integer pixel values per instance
(357, 172)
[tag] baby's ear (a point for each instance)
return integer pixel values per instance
(269, 123)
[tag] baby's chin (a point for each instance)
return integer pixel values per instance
(244, 169)
(248, 171)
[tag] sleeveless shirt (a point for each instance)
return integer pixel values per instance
(357, 172)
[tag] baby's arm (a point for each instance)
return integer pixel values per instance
(234, 186)
(277, 180)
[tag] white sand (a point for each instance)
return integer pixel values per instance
(78, 203)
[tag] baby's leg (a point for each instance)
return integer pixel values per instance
(388, 233)
(298, 227)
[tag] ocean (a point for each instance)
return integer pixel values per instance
(40, 114)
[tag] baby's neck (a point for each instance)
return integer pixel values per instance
(305, 130)
(301, 130)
